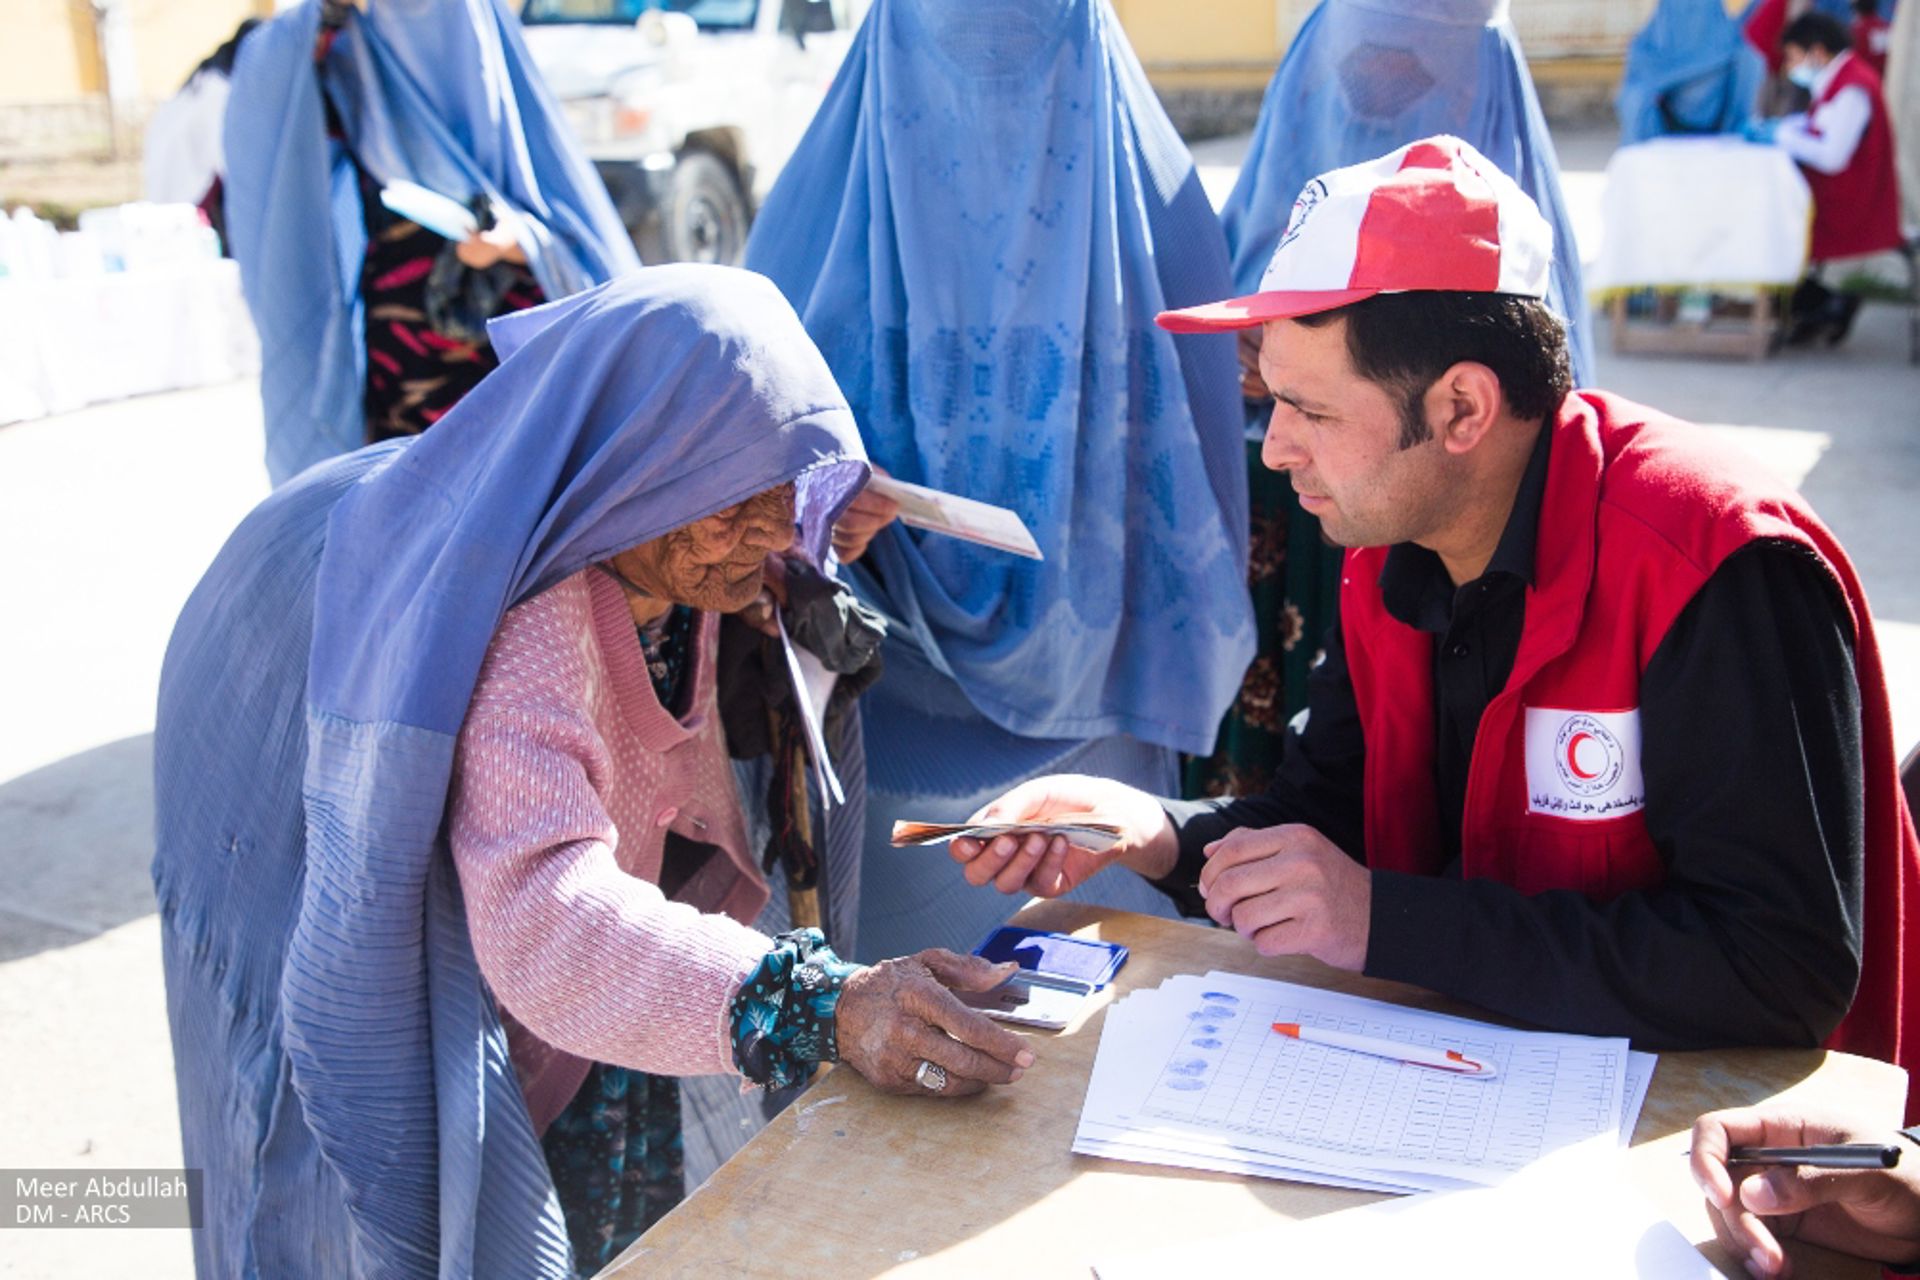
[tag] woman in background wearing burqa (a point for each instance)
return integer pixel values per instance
(1361, 78)
(978, 229)
(1689, 70)
(372, 325)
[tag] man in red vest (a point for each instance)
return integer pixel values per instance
(1601, 739)
(1844, 145)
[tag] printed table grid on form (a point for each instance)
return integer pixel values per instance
(1232, 1072)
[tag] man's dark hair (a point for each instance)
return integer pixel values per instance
(1405, 341)
(1810, 29)
(1867, 8)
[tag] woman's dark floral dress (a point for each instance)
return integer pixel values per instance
(1294, 577)
(416, 371)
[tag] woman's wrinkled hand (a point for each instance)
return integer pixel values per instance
(899, 1013)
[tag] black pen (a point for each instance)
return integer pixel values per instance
(1846, 1155)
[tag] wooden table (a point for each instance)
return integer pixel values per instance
(850, 1183)
(1750, 337)
(1675, 224)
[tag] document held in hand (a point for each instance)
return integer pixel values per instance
(442, 215)
(958, 517)
(1083, 829)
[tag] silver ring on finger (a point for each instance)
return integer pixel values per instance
(930, 1076)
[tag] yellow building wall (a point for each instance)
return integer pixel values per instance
(49, 53)
(170, 37)
(1218, 44)
(1228, 44)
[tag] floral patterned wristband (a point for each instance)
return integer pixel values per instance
(784, 1015)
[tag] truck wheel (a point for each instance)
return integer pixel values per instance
(705, 216)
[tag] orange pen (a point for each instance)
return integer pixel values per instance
(1414, 1054)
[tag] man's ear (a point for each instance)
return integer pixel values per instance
(1462, 405)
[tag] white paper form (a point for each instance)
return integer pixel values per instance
(1209, 1063)
(958, 517)
(1108, 1129)
(812, 686)
(1247, 1164)
(1639, 1078)
(1573, 1216)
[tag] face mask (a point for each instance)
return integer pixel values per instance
(1804, 74)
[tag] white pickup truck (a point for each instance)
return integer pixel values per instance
(689, 107)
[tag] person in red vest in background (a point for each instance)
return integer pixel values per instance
(1762, 27)
(1872, 35)
(1844, 145)
(1601, 737)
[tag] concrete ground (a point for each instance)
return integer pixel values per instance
(108, 517)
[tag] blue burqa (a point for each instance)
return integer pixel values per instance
(1364, 77)
(978, 229)
(440, 93)
(1689, 70)
(343, 1076)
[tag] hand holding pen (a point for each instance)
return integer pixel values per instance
(1769, 1196)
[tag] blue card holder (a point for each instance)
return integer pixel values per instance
(1080, 962)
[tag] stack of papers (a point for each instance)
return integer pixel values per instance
(1191, 1074)
(1082, 829)
(1574, 1216)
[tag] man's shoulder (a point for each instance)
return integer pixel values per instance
(1643, 455)
(1853, 78)
(1858, 73)
(1647, 456)
(1692, 486)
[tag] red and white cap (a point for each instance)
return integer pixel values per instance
(1436, 214)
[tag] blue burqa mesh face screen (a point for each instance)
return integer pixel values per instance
(343, 1078)
(978, 229)
(1364, 77)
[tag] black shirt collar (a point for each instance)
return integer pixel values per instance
(1414, 584)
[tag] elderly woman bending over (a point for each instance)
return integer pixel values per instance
(453, 876)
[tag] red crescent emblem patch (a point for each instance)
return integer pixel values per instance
(1573, 756)
(1584, 765)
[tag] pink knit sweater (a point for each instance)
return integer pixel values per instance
(567, 777)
